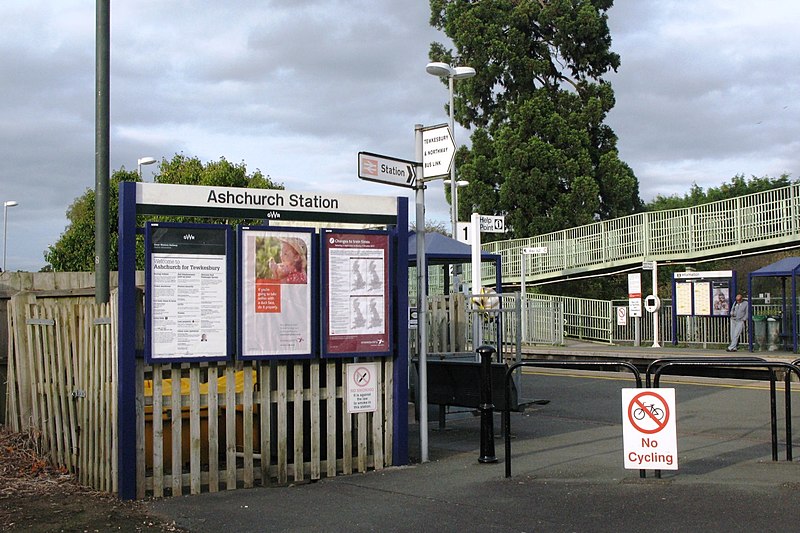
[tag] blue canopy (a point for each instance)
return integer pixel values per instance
(443, 250)
(788, 267)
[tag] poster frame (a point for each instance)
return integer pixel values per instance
(149, 293)
(724, 280)
(389, 281)
(312, 273)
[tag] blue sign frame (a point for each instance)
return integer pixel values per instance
(358, 340)
(139, 199)
(268, 302)
(179, 244)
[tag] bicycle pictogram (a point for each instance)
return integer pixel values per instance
(657, 412)
(648, 412)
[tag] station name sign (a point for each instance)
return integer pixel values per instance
(271, 199)
(262, 203)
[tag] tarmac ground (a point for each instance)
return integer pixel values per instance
(567, 472)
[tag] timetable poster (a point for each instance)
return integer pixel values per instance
(702, 298)
(275, 293)
(187, 292)
(683, 299)
(358, 293)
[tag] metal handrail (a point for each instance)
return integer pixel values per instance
(771, 366)
(658, 362)
(556, 364)
(706, 230)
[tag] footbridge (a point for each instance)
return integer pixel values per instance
(762, 221)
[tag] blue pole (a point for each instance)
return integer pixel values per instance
(126, 357)
(400, 391)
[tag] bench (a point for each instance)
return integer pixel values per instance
(458, 383)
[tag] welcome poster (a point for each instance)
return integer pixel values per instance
(188, 291)
(275, 293)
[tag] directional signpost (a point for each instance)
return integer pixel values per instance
(438, 151)
(385, 169)
(435, 148)
(485, 224)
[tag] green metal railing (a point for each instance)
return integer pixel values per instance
(760, 220)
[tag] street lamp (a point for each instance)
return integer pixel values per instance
(459, 184)
(443, 70)
(144, 161)
(6, 205)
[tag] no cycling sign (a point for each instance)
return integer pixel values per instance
(649, 435)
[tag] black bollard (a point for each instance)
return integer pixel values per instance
(486, 406)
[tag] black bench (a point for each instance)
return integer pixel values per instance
(458, 383)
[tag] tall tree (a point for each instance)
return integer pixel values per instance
(74, 250)
(541, 153)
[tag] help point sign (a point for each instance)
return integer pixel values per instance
(649, 433)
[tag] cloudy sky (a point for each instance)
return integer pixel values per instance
(296, 88)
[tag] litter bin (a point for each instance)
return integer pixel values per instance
(773, 333)
(760, 331)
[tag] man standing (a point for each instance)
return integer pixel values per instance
(739, 313)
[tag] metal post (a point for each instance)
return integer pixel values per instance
(6, 205)
(486, 406)
(524, 312)
(101, 147)
(422, 304)
(453, 186)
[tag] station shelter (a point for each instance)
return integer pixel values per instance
(786, 270)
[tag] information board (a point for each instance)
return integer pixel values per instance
(188, 292)
(276, 286)
(356, 275)
(703, 293)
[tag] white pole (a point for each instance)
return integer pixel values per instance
(422, 304)
(6, 205)
(476, 279)
(5, 234)
(524, 299)
(655, 313)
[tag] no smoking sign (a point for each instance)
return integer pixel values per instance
(648, 429)
(362, 387)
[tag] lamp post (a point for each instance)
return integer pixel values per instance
(459, 184)
(443, 70)
(144, 161)
(6, 205)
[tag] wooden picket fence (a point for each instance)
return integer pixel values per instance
(256, 422)
(232, 425)
(62, 383)
(447, 323)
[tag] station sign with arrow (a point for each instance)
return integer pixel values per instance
(385, 169)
